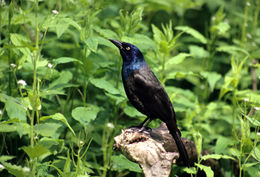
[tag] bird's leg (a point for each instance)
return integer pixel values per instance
(142, 124)
(145, 124)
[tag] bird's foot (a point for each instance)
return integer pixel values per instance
(145, 129)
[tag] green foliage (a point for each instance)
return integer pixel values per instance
(61, 94)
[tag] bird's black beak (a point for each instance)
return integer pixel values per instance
(117, 43)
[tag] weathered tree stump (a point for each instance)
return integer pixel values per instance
(153, 149)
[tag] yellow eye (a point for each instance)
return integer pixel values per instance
(127, 48)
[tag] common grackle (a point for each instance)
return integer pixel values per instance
(146, 93)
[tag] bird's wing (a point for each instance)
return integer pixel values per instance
(147, 88)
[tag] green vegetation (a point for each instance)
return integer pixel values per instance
(62, 99)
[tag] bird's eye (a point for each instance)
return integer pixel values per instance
(127, 48)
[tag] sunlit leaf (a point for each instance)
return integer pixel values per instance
(206, 169)
(231, 49)
(216, 156)
(121, 163)
(15, 110)
(16, 170)
(85, 114)
(198, 52)
(92, 43)
(132, 112)
(35, 151)
(59, 117)
(176, 60)
(47, 129)
(105, 85)
(212, 78)
(192, 32)
(63, 60)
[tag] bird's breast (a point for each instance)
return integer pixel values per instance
(127, 70)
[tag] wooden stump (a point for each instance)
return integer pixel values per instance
(153, 149)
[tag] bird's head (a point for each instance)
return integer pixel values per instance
(129, 52)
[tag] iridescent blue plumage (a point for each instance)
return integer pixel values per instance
(133, 59)
(145, 92)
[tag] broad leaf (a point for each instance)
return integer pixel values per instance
(192, 32)
(60, 117)
(216, 156)
(15, 110)
(232, 49)
(121, 163)
(47, 129)
(132, 112)
(105, 85)
(35, 151)
(212, 78)
(63, 60)
(85, 114)
(176, 60)
(92, 43)
(206, 169)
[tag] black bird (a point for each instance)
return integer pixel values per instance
(146, 93)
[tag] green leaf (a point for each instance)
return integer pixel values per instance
(67, 164)
(47, 129)
(85, 114)
(132, 112)
(20, 41)
(121, 163)
(245, 138)
(222, 28)
(105, 85)
(15, 110)
(35, 151)
(256, 153)
(191, 170)
(60, 83)
(15, 170)
(235, 152)
(192, 32)
(63, 60)
(4, 158)
(22, 128)
(4, 98)
(222, 144)
(176, 60)
(253, 121)
(206, 169)
(92, 43)
(142, 41)
(107, 33)
(117, 98)
(212, 78)
(198, 52)
(157, 34)
(198, 142)
(60, 117)
(232, 50)
(7, 127)
(216, 156)
(63, 25)
(35, 102)
(252, 96)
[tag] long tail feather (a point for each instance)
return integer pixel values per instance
(182, 150)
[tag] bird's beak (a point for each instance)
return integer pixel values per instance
(117, 43)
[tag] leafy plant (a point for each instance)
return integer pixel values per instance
(62, 100)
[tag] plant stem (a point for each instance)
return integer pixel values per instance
(9, 50)
(245, 23)
(35, 90)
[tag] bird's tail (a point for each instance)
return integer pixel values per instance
(182, 150)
